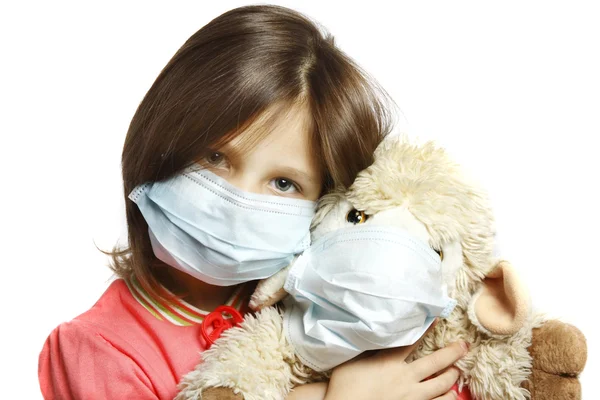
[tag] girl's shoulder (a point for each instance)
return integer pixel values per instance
(111, 319)
(111, 309)
(117, 337)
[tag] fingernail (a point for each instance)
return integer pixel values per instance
(465, 346)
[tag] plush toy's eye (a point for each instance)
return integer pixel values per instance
(356, 217)
(440, 253)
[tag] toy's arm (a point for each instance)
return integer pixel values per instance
(249, 361)
(270, 291)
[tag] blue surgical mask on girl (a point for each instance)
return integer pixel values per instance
(208, 228)
(362, 288)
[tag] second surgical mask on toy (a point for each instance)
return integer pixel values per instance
(362, 288)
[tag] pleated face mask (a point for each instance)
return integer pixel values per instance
(208, 228)
(362, 288)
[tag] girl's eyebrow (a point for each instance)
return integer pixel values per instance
(296, 173)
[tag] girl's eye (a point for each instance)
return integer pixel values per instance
(214, 158)
(284, 185)
(356, 217)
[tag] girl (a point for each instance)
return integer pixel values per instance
(257, 114)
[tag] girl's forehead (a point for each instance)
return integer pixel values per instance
(289, 123)
(282, 115)
(284, 139)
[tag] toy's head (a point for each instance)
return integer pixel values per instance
(419, 188)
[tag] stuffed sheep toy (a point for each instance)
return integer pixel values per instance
(413, 196)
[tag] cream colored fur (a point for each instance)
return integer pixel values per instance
(417, 187)
(254, 359)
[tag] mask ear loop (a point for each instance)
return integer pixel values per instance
(219, 324)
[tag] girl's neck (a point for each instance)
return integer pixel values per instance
(195, 292)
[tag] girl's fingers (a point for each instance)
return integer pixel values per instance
(440, 385)
(400, 354)
(435, 362)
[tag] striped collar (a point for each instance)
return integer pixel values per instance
(178, 312)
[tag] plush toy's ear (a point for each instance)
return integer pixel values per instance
(502, 304)
(269, 291)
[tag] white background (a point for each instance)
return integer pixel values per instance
(511, 88)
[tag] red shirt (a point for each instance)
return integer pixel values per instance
(126, 346)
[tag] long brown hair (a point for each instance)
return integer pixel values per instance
(223, 78)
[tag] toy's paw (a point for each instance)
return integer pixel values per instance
(559, 353)
(545, 386)
(254, 359)
(558, 348)
(269, 291)
(221, 393)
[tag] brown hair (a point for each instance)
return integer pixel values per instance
(224, 77)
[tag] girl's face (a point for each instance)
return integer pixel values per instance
(283, 163)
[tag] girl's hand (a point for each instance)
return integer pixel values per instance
(386, 375)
